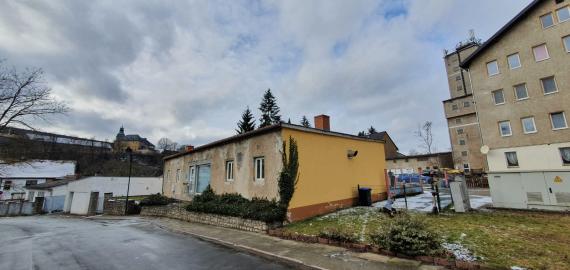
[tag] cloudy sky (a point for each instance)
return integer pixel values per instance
(187, 69)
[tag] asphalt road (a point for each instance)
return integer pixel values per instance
(48, 242)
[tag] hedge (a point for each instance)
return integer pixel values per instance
(237, 206)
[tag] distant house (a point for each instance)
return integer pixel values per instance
(416, 163)
(331, 167)
(14, 178)
(86, 196)
(390, 147)
(133, 141)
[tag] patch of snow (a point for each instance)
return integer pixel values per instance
(38, 169)
(460, 252)
(517, 268)
(424, 202)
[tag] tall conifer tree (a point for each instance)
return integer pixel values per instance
(247, 122)
(269, 110)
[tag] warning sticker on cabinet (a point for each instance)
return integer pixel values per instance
(557, 179)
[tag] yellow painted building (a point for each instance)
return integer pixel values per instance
(250, 163)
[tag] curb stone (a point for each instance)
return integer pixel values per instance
(254, 251)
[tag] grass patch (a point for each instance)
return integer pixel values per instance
(500, 238)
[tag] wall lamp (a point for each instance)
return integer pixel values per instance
(351, 154)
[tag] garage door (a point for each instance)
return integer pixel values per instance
(80, 203)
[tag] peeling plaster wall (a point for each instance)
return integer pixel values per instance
(242, 153)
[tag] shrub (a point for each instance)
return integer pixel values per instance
(156, 199)
(407, 235)
(237, 206)
(345, 235)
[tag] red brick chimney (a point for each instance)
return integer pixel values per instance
(189, 148)
(323, 122)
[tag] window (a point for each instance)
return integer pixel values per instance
(492, 68)
(514, 61)
(540, 53)
(203, 177)
(464, 153)
(229, 170)
(498, 97)
(459, 131)
(466, 104)
(461, 142)
(466, 168)
(7, 185)
(454, 107)
(40, 193)
(528, 125)
(558, 120)
(458, 121)
(548, 85)
(459, 87)
(505, 128)
(520, 92)
(547, 20)
(31, 182)
(563, 14)
(565, 154)
(259, 168)
(458, 78)
(512, 160)
(566, 41)
(455, 69)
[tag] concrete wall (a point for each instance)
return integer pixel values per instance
(328, 179)
(242, 153)
(531, 158)
(16, 208)
(412, 164)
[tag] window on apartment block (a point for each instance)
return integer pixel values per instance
(547, 20)
(498, 97)
(466, 168)
(540, 53)
(454, 107)
(466, 104)
(458, 120)
(461, 142)
(528, 125)
(514, 61)
(505, 128)
(512, 160)
(229, 170)
(459, 131)
(492, 68)
(464, 153)
(548, 85)
(558, 120)
(458, 78)
(566, 41)
(563, 14)
(521, 92)
(565, 154)
(459, 87)
(259, 163)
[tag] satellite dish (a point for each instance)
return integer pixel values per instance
(484, 149)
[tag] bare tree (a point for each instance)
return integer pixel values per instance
(25, 97)
(413, 152)
(166, 144)
(425, 135)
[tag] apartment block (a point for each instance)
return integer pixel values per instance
(460, 112)
(521, 88)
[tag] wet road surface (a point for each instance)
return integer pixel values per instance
(58, 242)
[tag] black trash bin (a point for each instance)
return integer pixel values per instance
(364, 196)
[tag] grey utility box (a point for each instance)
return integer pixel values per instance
(460, 195)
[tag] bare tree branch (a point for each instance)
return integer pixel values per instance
(425, 135)
(25, 97)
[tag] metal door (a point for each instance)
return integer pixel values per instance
(558, 187)
(534, 186)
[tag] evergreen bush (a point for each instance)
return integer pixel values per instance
(156, 199)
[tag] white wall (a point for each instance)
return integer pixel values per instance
(18, 186)
(115, 185)
(531, 158)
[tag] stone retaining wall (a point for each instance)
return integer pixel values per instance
(177, 211)
(116, 207)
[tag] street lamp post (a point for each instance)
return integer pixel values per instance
(130, 152)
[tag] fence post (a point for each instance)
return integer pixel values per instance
(405, 196)
(437, 195)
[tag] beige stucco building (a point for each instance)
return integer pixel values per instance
(521, 88)
(462, 123)
(331, 167)
(418, 163)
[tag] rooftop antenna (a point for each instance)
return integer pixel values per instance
(471, 35)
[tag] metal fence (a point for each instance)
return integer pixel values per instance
(477, 181)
